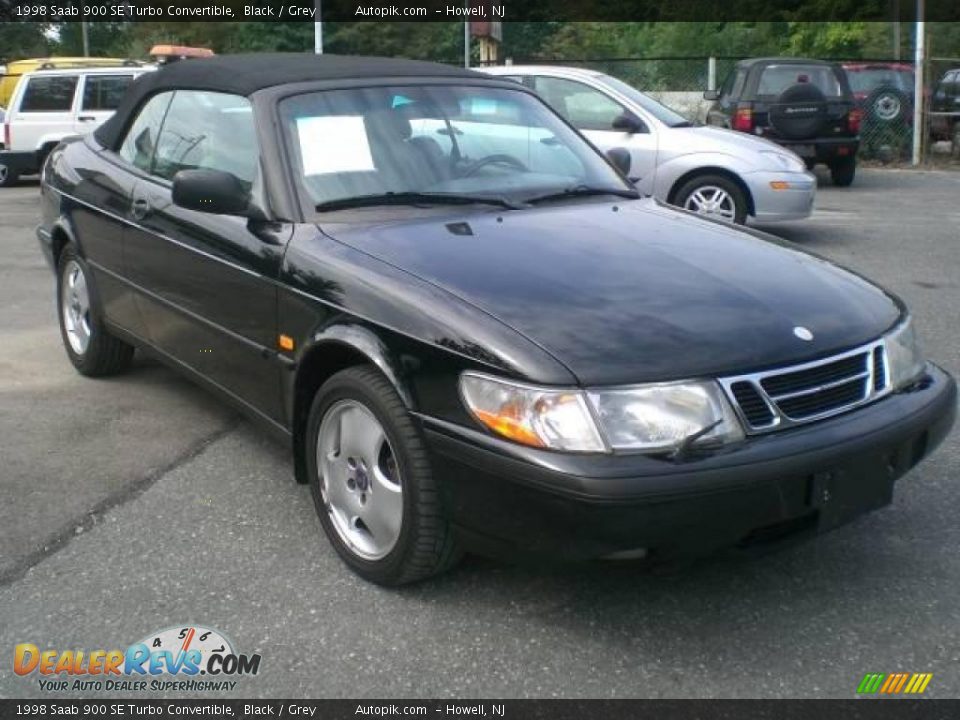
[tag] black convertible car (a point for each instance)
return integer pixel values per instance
(468, 326)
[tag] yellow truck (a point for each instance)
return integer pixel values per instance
(11, 73)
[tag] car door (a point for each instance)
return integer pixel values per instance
(99, 97)
(593, 112)
(206, 283)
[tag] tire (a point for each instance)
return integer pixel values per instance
(424, 545)
(92, 350)
(842, 172)
(800, 112)
(8, 176)
(887, 106)
(703, 189)
(955, 142)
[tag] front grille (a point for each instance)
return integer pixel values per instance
(788, 396)
(879, 369)
(752, 404)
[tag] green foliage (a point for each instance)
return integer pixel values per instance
(20, 40)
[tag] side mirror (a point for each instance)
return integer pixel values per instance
(620, 158)
(210, 191)
(711, 95)
(628, 123)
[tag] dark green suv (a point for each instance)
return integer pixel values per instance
(804, 105)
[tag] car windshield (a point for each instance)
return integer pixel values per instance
(414, 144)
(660, 111)
(777, 78)
(869, 79)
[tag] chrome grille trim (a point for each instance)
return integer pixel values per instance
(873, 388)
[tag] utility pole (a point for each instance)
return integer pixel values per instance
(317, 29)
(86, 38)
(466, 40)
(919, 61)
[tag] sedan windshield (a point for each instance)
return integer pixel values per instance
(426, 144)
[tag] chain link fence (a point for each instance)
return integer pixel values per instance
(883, 90)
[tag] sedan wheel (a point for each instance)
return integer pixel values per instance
(89, 345)
(75, 307)
(360, 482)
(713, 196)
(372, 481)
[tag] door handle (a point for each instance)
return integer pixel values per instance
(139, 208)
(86, 118)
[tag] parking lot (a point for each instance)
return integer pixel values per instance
(140, 502)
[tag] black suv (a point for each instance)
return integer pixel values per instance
(804, 105)
(945, 121)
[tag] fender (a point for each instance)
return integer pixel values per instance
(672, 170)
(365, 342)
(358, 341)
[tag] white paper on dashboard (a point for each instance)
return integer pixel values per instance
(334, 144)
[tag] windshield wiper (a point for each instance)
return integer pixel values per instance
(415, 198)
(583, 191)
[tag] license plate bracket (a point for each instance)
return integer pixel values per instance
(841, 495)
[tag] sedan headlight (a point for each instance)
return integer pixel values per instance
(904, 356)
(664, 416)
(541, 417)
(644, 418)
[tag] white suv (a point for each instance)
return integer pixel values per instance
(49, 105)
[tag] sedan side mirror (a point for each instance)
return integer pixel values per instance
(211, 191)
(711, 95)
(629, 123)
(620, 158)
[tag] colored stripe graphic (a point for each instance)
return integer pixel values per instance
(894, 683)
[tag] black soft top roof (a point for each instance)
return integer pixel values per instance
(248, 73)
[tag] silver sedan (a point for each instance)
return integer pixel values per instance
(724, 174)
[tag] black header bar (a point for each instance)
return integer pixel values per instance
(480, 10)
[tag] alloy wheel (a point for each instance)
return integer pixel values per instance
(360, 480)
(712, 201)
(75, 307)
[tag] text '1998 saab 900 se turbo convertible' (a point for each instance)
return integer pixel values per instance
(471, 330)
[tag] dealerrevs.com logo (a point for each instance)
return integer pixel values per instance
(179, 659)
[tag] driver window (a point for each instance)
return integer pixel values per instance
(582, 106)
(141, 139)
(209, 130)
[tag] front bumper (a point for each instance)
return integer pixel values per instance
(509, 500)
(779, 195)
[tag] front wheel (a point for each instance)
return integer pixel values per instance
(714, 196)
(92, 350)
(372, 484)
(843, 171)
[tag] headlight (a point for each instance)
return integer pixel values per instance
(663, 416)
(643, 418)
(557, 419)
(785, 161)
(904, 357)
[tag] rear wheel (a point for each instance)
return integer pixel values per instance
(372, 483)
(92, 350)
(843, 171)
(8, 176)
(714, 196)
(955, 149)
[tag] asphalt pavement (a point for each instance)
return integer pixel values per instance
(140, 503)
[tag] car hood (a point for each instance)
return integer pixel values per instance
(632, 291)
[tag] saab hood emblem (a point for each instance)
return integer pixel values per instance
(801, 332)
